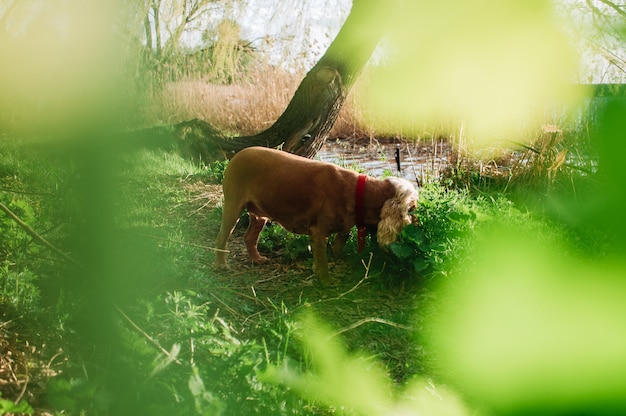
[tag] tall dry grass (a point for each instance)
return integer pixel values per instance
(240, 108)
(247, 106)
(545, 156)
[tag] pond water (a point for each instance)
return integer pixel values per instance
(419, 161)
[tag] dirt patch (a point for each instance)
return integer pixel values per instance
(24, 373)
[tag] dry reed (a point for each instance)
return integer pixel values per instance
(245, 107)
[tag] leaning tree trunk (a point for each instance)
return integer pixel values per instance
(314, 108)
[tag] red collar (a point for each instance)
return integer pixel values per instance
(360, 211)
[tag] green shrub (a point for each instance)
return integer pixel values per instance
(275, 238)
(18, 287)
(13, 239)
(18, 283)
(444, 216)
(8, 407)
(215, 171)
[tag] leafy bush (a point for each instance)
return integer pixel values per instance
(215, 171)
(18, 288)
(8, 407)
(274, 238)
(17, 282)
(444, 217)
(12, 237)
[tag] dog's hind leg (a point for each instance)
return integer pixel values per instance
(230, 217)
(251, 238)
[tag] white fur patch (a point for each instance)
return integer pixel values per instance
(394, 215)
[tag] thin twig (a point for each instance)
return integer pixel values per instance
(231, 310)
(37, 237)
(252, 298)
(200, 209)
(251, 316)
(177, 242)
(368, 320)
(54, 357)
(17, 191)
(144, 333)
(367, 272)
(24, 386)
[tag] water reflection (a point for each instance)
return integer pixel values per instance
(421, 161)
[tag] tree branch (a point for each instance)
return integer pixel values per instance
(613, 6)
(37, 237)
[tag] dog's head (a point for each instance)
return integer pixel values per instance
(394, 215)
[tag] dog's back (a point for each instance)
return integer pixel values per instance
(281, 176)
(285, 187)
(251, 162)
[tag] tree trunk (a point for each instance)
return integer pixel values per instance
(314, 108)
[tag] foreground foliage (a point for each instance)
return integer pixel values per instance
(158, 331)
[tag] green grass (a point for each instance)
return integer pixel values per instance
(195, 340)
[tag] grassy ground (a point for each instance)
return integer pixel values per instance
(144, 324)
(165, 217)
(186, 336)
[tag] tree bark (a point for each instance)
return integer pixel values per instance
(314, 108)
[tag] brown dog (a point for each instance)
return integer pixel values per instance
(308, 197)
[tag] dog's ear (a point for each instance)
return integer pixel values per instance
(394, 214)
(391, 222)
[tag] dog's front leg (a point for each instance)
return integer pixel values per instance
(338, 243)
(320, 261)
